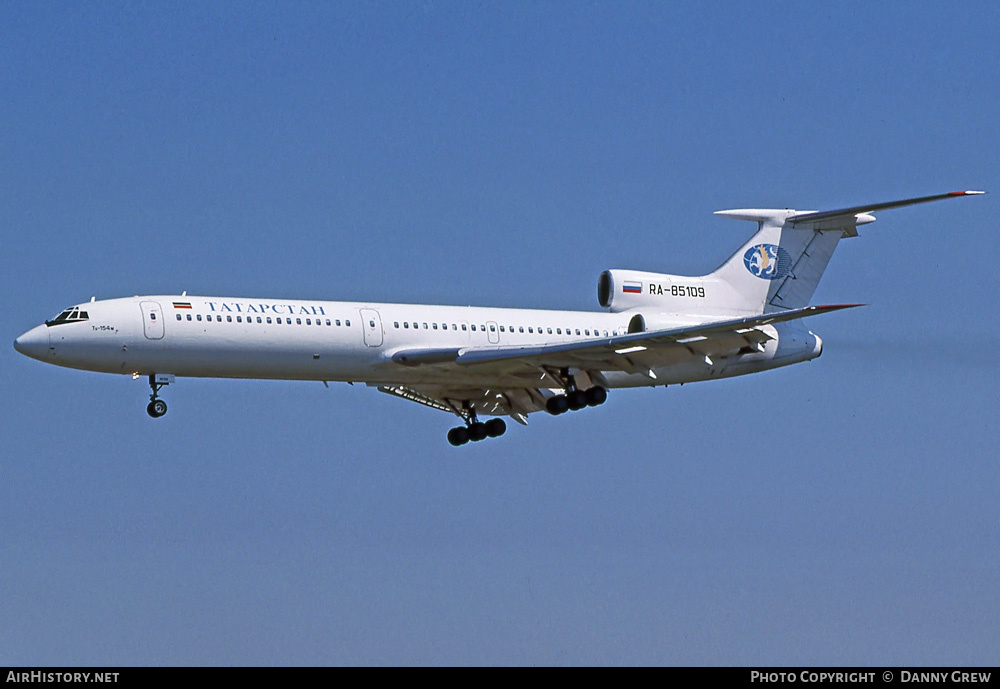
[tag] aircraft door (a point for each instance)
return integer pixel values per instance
(152, 320)
(493, 332)
(371, 324)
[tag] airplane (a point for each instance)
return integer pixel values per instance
(657, 329)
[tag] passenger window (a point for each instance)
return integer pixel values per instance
(328, 321)
(521, 329)
(425, 326)
(550, 331)
(199, 316)
(189, 316)
(258, 319)
(473, 328)
(493, 328)
(558, 331)
(434, 326)
(501, 328)
(371, 324)
(153, 315)
(338, 322)
(309, 321)
(347, 323)
(229, 319)
(463, 326)
(239, 319)
(298, 321)
(269, 320)
(406, 325)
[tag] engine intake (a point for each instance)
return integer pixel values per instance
(621, 290)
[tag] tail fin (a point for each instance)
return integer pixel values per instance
(781, 265)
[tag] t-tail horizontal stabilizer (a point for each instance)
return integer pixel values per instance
(844, 214)
(781, 265)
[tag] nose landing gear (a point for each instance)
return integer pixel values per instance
(157, 407)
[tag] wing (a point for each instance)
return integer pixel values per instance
(647, 349)
(539, 365)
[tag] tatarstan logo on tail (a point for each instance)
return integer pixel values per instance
(768, 261)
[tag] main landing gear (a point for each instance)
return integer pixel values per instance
(476, 430)
(157, 407)
(576, 399)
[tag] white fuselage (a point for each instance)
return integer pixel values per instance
(223, 337)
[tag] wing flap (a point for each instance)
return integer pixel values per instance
(515, 403)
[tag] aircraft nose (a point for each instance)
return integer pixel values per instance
(34, 343)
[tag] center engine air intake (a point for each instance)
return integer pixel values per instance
(621, 290)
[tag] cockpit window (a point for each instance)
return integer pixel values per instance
(73, 315)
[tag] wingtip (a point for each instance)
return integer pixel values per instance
(965, 193)
(836, 307)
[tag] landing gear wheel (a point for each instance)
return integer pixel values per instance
(495, 428)
(557, 405)
(477, 432)
(596, 396)
(458, 436)
(577, 400)
(156, 408)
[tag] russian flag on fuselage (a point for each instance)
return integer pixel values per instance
(632, 287)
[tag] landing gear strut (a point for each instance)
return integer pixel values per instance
(157, 407)
(575, 398)
(474, 429)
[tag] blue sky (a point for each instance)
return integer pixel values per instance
(842, 511)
